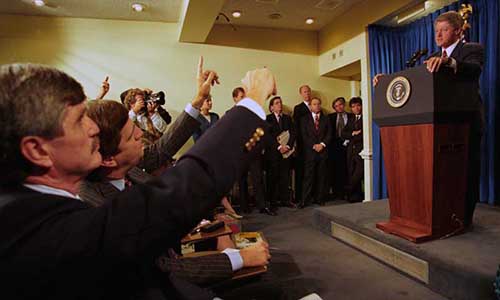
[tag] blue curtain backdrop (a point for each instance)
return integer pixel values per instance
(391, 47)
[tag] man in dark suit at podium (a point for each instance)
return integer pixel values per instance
(299, 111)
(466, 60)
(316, 135)
(278, 167)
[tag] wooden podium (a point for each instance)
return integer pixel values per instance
(424, 128)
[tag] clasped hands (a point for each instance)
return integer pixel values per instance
(318, 147)
(258, 84)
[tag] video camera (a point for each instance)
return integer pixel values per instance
(155, 98)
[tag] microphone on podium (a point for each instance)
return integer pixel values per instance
(415, 57)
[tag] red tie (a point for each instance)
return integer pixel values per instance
(316, 122)
(444, 55)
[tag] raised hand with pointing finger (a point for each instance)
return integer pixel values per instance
(104, 88)
(205, 79)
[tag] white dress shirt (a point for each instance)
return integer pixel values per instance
(453, 63)
(45, 189)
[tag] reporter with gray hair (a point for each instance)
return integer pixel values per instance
(53, 245)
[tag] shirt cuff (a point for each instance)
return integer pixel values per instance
(132, 115)
(235, 258)
(324, 145)
(190, 110)
(253, 106)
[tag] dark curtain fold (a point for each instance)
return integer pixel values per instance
(389, 50)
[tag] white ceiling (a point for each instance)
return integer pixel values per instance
(294, 12)
(156, 10)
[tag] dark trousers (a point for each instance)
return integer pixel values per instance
(255, 174)
(278, 181)
(315, 181)
(355, 169)
(473, 168)
(299, 174)
(337, 162)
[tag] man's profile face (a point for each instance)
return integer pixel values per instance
(445, 34)
(339, 107)
(356, 108)
(315, 105)
(277, 106)
(240, 96)
(305, 92)
(131, 148)
(76, 152)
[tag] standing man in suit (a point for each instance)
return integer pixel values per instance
(63, 248)
(255, 172)
(300, 110)
(337, 155)
(466, 60)
(278, 167)
(316, 135)
(353, 132)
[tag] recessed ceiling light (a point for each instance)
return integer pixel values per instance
(309, 21)
(39, 3)
(236, 14)
(138, 7)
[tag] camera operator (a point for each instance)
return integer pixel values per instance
(157, 100)
(144, 115)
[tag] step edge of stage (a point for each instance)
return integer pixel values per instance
(411, 265)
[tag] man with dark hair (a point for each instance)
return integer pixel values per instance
(61, 247)
(122, 150)
(277, 154)
(466, 60)
(353, 132)
(337, 155)
(299, 111)
(316, 136)
(238, 94)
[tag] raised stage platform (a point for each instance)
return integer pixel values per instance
(459, 267)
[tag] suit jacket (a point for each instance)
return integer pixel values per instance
(275, 129)
(54, 247)
(299, 111)
(470, 61)
(204, 125)
(161, 151)
(355, 142)
(311, 137)
(333, 122)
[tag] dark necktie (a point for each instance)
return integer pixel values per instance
(340, 124)
(128, 182)
(316, 122)
(444, 55)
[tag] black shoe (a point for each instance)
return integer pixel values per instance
(267, 211)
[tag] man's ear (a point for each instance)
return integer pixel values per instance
(109, 162)
(35, 150)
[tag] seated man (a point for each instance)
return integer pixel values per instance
(62, 248)
(121, 149)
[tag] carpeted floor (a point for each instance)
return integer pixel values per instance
(305, 260)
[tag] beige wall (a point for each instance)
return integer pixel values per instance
(282, 40)
(354, 22)
(146, 54)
